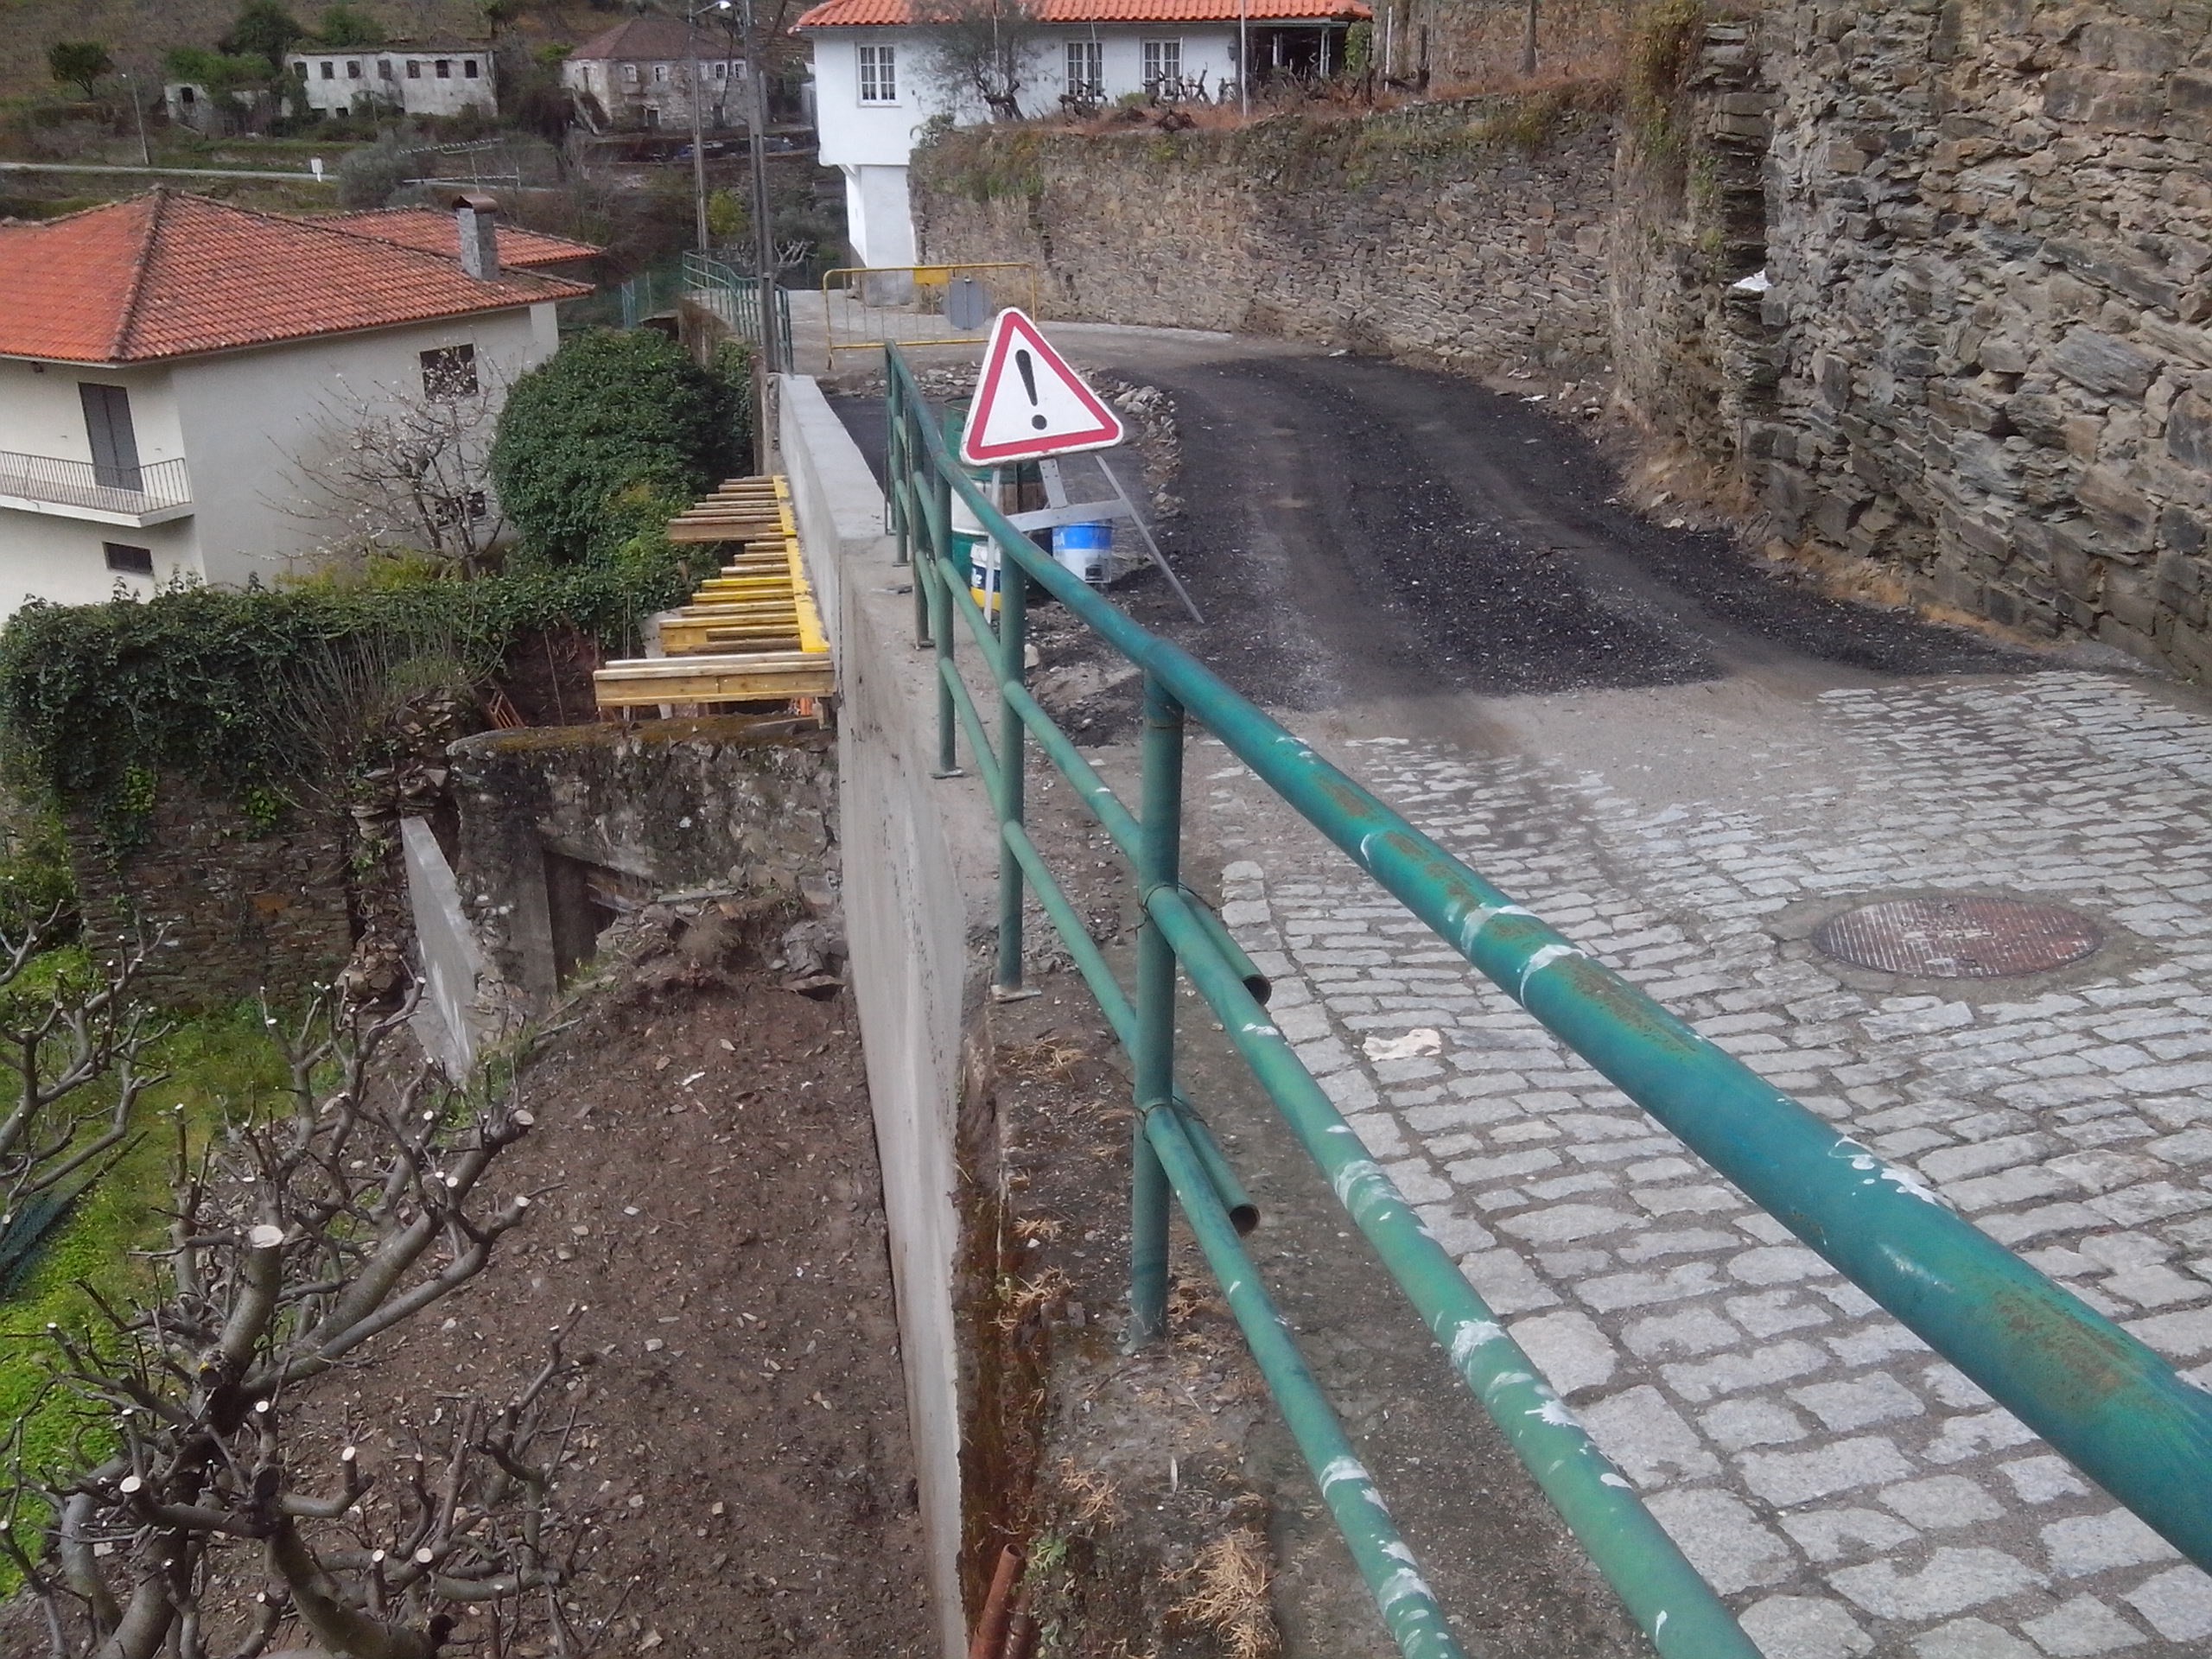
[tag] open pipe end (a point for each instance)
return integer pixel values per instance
(1244, 1218)
(1260, 986)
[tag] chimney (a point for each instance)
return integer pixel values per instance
(478, 220)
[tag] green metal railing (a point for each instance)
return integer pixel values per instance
(2108, 1402)
(737, 299)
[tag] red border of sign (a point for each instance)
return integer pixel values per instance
(1009, 323)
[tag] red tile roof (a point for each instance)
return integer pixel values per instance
(432, 231)
(844, 14)
(164, 275)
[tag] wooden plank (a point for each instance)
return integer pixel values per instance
(647, 682)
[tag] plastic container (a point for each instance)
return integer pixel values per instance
(972, 547)
(1085, 550)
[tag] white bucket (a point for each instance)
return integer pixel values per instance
(1085, 550)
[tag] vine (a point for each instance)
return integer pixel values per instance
(240, 691)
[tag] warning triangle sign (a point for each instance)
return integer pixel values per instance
(1029, 403)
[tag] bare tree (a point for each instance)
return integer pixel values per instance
(988, 49)
(293, 1243)
(409, 468)
(62, 1040)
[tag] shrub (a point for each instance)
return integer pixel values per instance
(607, 441)
(372, 175)
(78, 63)
(222, 685)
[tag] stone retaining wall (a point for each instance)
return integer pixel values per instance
(730, 804)
(241, 909)
(1991, 231)
(1466, 234)
(1982, 368)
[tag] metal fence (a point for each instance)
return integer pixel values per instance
(149, 487)
(737, 299)
(2117, 1409)
(869, 306)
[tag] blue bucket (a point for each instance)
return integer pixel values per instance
(1086, 550)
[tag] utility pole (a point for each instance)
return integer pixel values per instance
(698, 135)
(1244, 59)
(764, 234)
(1529, 43)
(138, 109)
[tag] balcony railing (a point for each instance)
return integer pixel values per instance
(150, 488)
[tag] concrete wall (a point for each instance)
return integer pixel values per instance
(1467, 234)
(675, 804)
(460, 1008)
(917, 881)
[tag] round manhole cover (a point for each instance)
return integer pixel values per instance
(1958, 938)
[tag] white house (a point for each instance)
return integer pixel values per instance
(170, 366)
(639, 74)
(413, 79)
(875, 86)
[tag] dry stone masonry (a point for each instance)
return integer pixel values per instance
(1923, 286)
(1466, 234)
(1991, 231)
(241, 908)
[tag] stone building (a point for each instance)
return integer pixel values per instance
(638, 75)
(413, 79)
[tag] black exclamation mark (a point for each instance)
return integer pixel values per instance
(1029, 384)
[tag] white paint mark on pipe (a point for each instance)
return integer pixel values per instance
(1471, 1335)
(1538, 961)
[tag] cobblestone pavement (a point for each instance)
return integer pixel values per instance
(1849, 1492)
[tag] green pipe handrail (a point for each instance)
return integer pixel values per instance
(2108, 1402)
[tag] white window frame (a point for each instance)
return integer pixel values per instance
(878, 74)
(1163, 65)
(1089, 79)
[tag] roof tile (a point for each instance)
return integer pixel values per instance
(433, 232)
(164, 275)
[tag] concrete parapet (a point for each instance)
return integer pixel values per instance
(920, 860)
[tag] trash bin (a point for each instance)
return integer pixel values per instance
(1085, 550)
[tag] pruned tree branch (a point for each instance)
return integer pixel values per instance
(294, 1242)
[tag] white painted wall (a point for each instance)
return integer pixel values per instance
(44, 556)
(256, 421)
(43, 414)
(356, 73)
(879, 215)
(873, 142)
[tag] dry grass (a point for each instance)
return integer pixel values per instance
(1091, 1499)
(1227, 1596)
(1020, 1299)
(1044, 1061)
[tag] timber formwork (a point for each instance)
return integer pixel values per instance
(752, 633)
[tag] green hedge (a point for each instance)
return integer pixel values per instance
(607, 440)
(96, 700)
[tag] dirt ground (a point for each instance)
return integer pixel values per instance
(743, 1476)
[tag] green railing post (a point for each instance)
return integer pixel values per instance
(1013, 625)
(1153, 1055)
(948, 760)
(940, 539)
